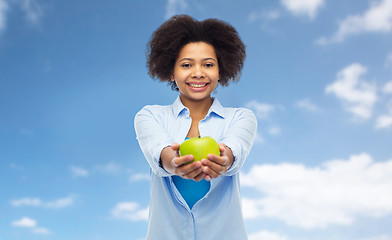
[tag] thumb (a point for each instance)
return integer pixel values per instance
(175, 146)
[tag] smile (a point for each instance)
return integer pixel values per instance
(197, 85)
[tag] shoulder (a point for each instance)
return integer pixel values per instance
(154, 111)
(237, 113)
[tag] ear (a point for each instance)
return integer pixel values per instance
(172, 77)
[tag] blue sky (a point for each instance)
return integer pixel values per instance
(318, 75)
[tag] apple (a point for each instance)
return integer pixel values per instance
(199, 147)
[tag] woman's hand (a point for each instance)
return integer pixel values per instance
(215, 166)
(173, 163)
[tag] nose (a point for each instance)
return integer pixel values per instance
(198, 72)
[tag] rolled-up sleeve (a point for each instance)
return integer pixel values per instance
(239, 137)
(152, 138)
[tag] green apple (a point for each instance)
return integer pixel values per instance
(199, 148)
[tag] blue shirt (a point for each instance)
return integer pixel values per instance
(218, 214)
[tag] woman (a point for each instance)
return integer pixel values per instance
(197, 200)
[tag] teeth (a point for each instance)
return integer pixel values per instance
(197, 85)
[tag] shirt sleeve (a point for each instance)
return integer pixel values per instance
(152, 138)
(240, 137)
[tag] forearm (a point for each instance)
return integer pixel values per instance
(167, 156)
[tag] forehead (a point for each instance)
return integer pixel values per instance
(197, 50)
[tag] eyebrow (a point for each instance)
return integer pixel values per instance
(191, 59)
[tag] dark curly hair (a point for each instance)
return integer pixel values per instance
(167, 41)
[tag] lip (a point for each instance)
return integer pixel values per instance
(197, 89)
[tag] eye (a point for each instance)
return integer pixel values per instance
(186, 65)
(209, 65)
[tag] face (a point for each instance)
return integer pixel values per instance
(196, 71)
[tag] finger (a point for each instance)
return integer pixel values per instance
(210, 173)
(220, 160)
(190, 171)
(179, 161)
(175, 146)
(213, 169)
(222, 148)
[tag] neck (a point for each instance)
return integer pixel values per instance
(198, 109)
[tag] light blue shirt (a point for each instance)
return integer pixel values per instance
(218, 214)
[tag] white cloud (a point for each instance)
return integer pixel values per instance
(388, 61)
(109, 168)
(60, 203)
(309, 8)
(378, 18)
(32, 9)
(139, 177)
(382, 237)
(42, 231)
(358, 96)
(262, 110)
(387, 88)
(274, 131)
(316, 197)
(130, 211)
(24, 222)
(264, 15)
(384, 121)
(36, 202)
(79, 172)
(30, 223)
(306, 104)
(3, 13)
(267, 235)
(174, 7)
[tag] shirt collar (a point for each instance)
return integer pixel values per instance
(216, 108)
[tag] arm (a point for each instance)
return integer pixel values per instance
(160, 151)
(152, 138)
(236, 145)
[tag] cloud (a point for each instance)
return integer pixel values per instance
(262, 110)
(307, 105)
(377, 19)
(42, 231)
(36, 202)
(308, 8)
(358, 96)
(24, 222)
(382, 237)
(264, 15)
(387, 88)
(139, 177)
(274, 131)
(109, 168)
(267, 235)
(30, 223)
(79, 172)
(32, 9)
(130, 211)
(388, 61)
(3, 12)
(385, 120)
(174, 7)
(334, 193)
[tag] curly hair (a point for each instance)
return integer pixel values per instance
(168, 40)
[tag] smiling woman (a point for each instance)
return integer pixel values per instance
(186, 196)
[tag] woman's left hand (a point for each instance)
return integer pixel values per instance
(215, 166)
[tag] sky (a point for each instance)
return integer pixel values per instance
(318, 76)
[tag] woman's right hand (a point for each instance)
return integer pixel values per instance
(182, 166)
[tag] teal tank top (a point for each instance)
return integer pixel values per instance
(191, 190)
